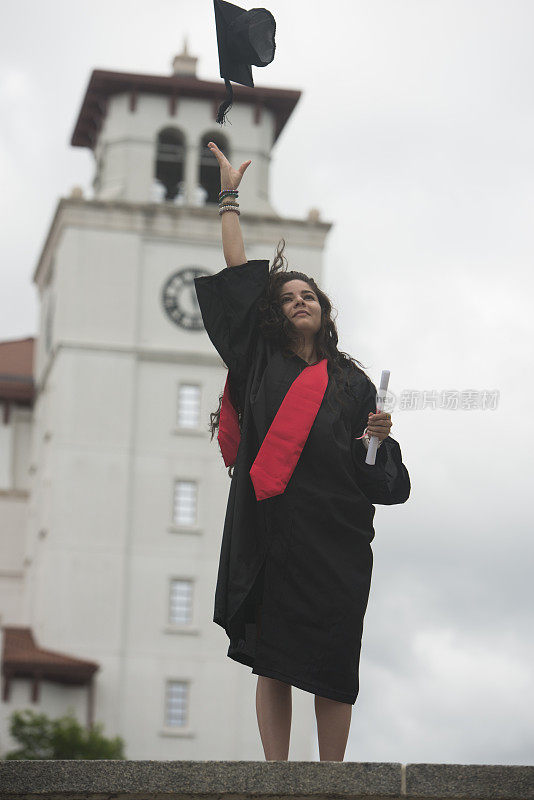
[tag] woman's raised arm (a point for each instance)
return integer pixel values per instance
(233, 247)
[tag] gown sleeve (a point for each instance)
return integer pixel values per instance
(228, 303)
(386, 482)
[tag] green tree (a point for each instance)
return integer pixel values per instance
(41, 737)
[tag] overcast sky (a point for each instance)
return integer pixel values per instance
(414, 137)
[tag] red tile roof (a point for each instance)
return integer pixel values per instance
(103, 84)
(21, 657)
(16, 369)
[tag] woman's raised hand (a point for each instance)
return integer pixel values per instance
(230, 177)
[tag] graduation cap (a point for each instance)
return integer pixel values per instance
(243, 38)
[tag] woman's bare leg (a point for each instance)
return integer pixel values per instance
(333, 724)
(273, 709)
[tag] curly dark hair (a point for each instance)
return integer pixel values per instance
(276, 327)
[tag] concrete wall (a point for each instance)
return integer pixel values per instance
(241, 780)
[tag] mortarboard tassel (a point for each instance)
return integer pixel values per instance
(226, 103)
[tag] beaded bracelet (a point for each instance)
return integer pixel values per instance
(228, 207)
(231, 202)
(226, 192)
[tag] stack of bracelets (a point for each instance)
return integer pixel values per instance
(230, 203)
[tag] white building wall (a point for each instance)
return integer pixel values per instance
(6, 454)
(13, 511)
(21, 421)
(14, 484)
(97, 275)
(126, 147)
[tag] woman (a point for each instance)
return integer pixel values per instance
(296, 559)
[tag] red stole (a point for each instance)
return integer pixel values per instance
(287, 435)
(229, 434)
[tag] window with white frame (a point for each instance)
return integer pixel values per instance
(189, 405)
(176, 704)
(180, 601)
(185, 502)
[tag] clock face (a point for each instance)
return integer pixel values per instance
(179, 298)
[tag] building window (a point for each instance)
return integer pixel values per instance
(189, 405)
(180, 601)
(176, 704)
(170, 157)
(210, 172)
(185, 502)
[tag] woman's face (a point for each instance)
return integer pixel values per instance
(297, 296)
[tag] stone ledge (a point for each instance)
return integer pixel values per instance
(102, 779)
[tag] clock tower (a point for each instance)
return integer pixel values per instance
(128, 492)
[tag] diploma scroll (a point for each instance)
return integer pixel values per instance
(380, 402)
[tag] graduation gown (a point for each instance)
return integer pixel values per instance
(299, 562)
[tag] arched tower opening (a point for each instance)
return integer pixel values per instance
(170, 161)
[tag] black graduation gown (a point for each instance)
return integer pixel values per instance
(303, 558)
